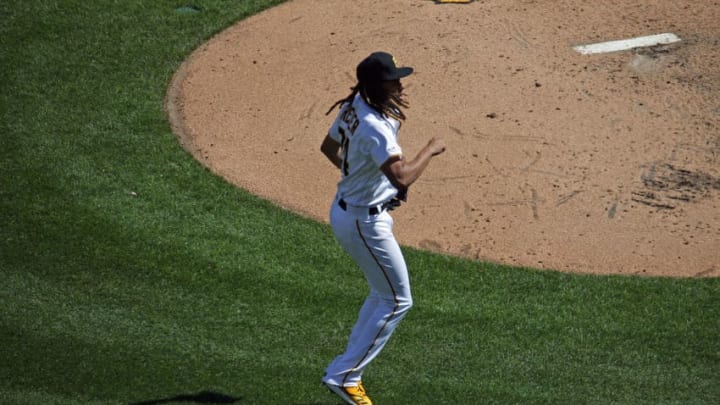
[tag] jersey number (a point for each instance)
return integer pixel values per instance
(349, 118)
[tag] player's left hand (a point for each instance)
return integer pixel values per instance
(397, 201)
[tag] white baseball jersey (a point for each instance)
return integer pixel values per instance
(368, 140)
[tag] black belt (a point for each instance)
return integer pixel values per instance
(372, 210)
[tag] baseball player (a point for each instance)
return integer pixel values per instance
(375, 175)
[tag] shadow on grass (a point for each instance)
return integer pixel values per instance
(204, 397)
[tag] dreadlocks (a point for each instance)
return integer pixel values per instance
(347, 99)
(377, 98)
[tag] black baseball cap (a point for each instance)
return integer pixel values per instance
(380, 66)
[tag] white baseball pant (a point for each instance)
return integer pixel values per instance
(369, 240)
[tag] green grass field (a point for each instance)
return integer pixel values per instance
(131, 274)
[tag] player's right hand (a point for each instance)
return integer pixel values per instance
(436, 145)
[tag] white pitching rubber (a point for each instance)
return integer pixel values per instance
(625, 44)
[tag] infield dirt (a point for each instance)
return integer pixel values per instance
(605, 163)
